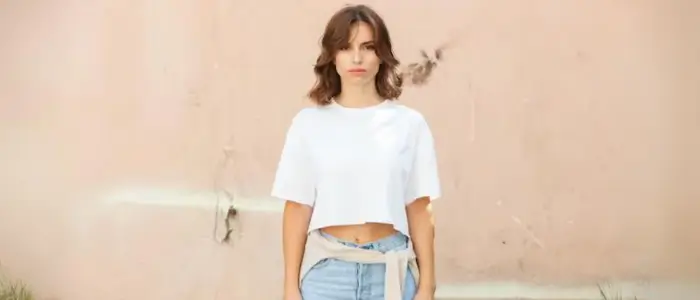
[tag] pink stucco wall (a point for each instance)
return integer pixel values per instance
(568, 138)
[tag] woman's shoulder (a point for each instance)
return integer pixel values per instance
(411, 114)
(306, 117)
(308, 114)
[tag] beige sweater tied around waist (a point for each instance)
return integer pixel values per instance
(397, 261)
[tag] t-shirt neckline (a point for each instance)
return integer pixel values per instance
(338, 106)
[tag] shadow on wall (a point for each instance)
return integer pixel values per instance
(567, 136)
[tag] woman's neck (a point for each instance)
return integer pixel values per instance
(359, 96)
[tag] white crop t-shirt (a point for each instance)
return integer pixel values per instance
(358, 165)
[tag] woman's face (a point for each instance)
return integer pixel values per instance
(357, 62)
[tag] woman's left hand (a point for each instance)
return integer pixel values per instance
(424, 294)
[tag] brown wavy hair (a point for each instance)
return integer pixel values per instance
(337, 34)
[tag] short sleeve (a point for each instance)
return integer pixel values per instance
(423, 180)
(294, 180)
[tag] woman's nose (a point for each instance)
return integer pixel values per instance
(357, 57)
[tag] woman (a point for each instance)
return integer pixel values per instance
(358, 172)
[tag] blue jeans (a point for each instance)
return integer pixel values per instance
(333, 279)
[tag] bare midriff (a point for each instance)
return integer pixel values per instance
(361, 233)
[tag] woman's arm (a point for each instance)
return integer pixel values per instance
(295, 224)
(421, 226)
(423, 188)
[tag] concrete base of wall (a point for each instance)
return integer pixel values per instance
(157, 243)
(616, 291)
